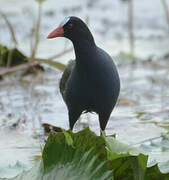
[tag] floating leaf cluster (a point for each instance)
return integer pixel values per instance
(85, 156)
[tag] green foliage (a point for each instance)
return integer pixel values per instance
(63, 158)
(12, 57)
(117, 149)
(55, 64)
(126, 160)
(93, 143)
(71, 163)
(85, 156)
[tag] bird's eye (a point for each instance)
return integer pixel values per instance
(70, 26)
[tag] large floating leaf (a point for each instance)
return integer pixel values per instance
(71, 156)
(84, 167)
(82, 141)
(158, 152)
(117, 149)
(127, 162)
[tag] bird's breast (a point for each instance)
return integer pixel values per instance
(92, 82)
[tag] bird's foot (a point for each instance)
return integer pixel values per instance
(102, 133)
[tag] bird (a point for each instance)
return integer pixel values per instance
(91, 82)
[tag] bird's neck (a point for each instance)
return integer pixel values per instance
(84, 50)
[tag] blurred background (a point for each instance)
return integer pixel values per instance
(135, 33)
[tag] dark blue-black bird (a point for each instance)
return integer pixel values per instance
(91, 82)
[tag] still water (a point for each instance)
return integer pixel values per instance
(27, 102)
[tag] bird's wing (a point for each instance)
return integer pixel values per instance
(65, 76)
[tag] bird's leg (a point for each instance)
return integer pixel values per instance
(102, 133)
(73, 117)
(103, 119)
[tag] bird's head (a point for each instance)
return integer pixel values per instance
(72, 28)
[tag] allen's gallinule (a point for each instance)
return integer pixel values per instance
(91, 82)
